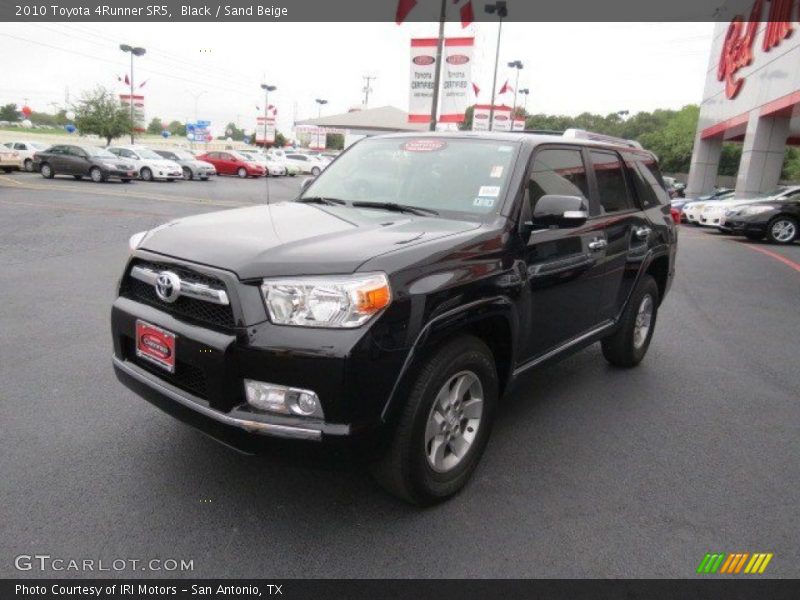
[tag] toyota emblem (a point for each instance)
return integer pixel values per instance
(168, 286)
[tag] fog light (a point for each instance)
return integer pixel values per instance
(281, 399)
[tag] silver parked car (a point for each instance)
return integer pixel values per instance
(192, 168)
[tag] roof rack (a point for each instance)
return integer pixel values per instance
(581, 134)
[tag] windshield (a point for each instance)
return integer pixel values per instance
(183, 155)
(98, 152)
(458, 175)
(38, 145)
(148, 154)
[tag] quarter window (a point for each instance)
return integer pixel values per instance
(614, 196)
(557, 171)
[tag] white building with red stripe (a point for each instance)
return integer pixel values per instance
(752, 96)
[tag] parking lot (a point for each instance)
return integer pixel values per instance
(591, 471)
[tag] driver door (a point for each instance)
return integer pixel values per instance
(563, 264)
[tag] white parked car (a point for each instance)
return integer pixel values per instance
(713, 214)
(26, 150)
(150, 165)
(692, 210)
(274, 168)
(306, 164)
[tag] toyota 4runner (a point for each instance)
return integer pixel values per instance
(400, 295)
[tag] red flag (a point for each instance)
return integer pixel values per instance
(476, 89)
(127, 81)
(467, 16)
(141, 85)
(506, 88)
(403, 8)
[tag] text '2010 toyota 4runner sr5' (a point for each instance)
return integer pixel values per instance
(400, 295)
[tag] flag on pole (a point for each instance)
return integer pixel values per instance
(465, 11)
(141, 85)
(506, 88)
(127, 81)
(404, 7)
(476, 89)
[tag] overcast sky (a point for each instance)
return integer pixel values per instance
(569, 68)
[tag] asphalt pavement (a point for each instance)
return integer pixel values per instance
(591, 471)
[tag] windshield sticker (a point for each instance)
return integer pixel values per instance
(489, 191)
(483, 202)
(497, 172)
(423, 145)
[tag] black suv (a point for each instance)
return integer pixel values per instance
(400, 295)
(83, 161)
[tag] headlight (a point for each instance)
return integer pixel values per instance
(341, 301)
(754, 210)
(136, 239)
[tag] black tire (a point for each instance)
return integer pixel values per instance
(315, 171)
(620, 348)
(790, 230)
(754, 237)
(187, 174)
(404, 468)
(97, 175)
(47, 171)
(28, 165)
(242, 173)
(146, 174)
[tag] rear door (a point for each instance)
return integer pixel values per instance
(563, 264)
(56, 158)
(625, 227)
(75, 161)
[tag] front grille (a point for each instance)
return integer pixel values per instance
(218, 315)
(187, 377)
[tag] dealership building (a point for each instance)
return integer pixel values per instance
(752, 96)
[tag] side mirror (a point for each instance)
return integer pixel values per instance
(560, 211)
(306, 182)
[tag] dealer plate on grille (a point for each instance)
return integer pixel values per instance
(155, 345)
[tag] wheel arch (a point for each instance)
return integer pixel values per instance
(491, 320)
(658, 269)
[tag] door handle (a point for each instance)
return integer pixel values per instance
(597, 244)
(642, 232)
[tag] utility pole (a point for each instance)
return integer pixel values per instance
(267, 89)
(134, 52)
(437, 77)
(367, 89)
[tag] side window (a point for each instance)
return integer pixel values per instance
(59, 150)
(19, 146)
(129, 154)
(557, 171)
(225, 156)
(114, 151)
(614, 196)
(648, 168)
(75, 151)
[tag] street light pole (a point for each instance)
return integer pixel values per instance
(515, 64)
(321, 102)
(501, 9)
(267, 89)
(135, 51)
(437, 76)
(525, 92)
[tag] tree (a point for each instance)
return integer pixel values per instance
(155, 128)
(8, 112)
(280, 140)
(176, 128)
(99, 112)
(334, 141)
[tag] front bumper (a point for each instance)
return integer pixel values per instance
(121, 174)
(742, 226)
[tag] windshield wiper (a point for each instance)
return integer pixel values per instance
(322, 200)
(414, 210)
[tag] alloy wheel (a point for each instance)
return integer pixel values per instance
(783, 230)
(453, 421)
(644, 318)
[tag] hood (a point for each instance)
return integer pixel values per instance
(290, 238)
(202, 163)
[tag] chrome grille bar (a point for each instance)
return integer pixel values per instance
(199, 291)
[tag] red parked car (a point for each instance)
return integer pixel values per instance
(233, 163)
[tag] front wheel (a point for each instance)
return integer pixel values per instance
(28, 165)
(242, 172)
(627, 346)
(187, 174)
(146, 174)
(47, 171)
(782, 230)
(97, 175)
(315, 171)
(444, 425)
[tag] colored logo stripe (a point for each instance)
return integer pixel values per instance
(734, 563)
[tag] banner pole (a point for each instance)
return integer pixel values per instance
(438, 74)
